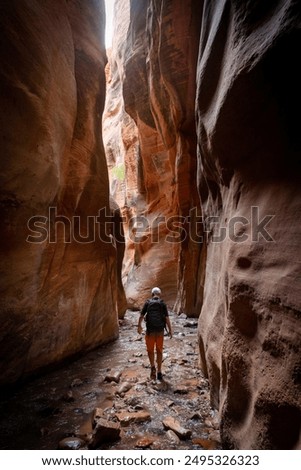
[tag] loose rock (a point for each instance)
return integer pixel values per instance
(208, 444)
(191, 324)
(113, 376)
(144, 443)
(125, 387)
(71, 443)
(172, 437)
(181, 390)
(126, 418)
(97, 414)
(105, 431)
(174, 425)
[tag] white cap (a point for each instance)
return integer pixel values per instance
(156, 290)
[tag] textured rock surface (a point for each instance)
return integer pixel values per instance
(248, 95)
(57, 298)
(249, 155)
(153, 62)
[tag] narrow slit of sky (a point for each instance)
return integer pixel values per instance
(109, 22)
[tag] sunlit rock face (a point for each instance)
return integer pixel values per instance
(59, 287)
(248, 94)
(151, 147)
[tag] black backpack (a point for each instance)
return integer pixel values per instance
(155, 315)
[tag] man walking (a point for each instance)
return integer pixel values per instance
(155, 313)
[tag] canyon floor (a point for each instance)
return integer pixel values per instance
(56, 410)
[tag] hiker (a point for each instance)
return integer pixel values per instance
(155, 314)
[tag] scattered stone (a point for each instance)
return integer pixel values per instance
(144, 443)
(161, 386)
(170, 403)
(125, 387)
(138, 338)
(181, 390)
(76, 383)
(183, 362)
(113, 376)
(97, 414)
(191, 324)
(71, 443)
(172, 437)
(117, 406)
(132, 400)
(105, 431)
(138, 354)
(126, 418)
(209, 423)
(174, 425)
(207, 444)
(135, 408)
(132, 361)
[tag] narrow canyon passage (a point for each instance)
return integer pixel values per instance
(171, 160)
(56, 410)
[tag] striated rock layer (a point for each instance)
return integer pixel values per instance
(248, 95)
(150, 134)
(58, 278)
(243, 281)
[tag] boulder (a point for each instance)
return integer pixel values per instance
(105, 431)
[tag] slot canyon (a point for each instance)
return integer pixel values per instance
(171, 159)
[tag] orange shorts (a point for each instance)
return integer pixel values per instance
(153, 339)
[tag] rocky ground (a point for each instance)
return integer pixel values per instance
(107, 400)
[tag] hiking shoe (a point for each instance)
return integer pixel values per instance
(159, 376)
(153, 373)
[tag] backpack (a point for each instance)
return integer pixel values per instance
(155, 315)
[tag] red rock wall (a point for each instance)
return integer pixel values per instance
(153, 61)
(248, 95)
(57, 298)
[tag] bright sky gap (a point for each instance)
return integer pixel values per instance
(109, 22)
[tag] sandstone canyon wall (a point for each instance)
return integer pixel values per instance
(59, 296)
(248, 95)
(244, 279)
(150, 129)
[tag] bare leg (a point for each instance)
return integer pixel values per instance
(151, 356)
(159, 360)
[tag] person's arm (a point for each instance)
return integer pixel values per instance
(167, 319)
(139, 324)
(143, 312)
(169, 326)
